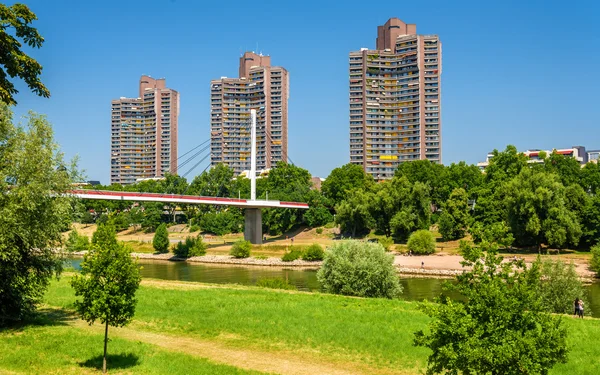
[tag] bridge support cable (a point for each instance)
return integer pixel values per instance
(188, 152)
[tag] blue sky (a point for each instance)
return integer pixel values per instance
(514, 72)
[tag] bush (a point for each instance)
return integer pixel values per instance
(313, 253)
(317, 216)
(160, 242)
(357, 268)
(595, 263)
(76, 242)
(220, 223)
(559, 286)
(275, 283)
(191, 247)
(319, 230)
(292, 255)
(241, 249)
(102, 219)
(194, 228)
(421, 242)
(386, 242)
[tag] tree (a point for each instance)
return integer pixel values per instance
(357, 268)
(160, 242)
(500, 326)
(595, 262)
(421, 242)
(537, 210)
(216, 182)
(426, 172)
(414, 208)
(559, 285)
(222, 222)
(317, 216)
(567, 168)
(455, 216)
(33, 180)
(87, 218)
(107, 284)
(344, 179)
(14, 61)
(590, 178)
(353, 214)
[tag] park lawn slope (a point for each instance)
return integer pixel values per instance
(63, 349)
(373, 333)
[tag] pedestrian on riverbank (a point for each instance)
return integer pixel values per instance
(581, 309)
(422, 265)
(576, 306)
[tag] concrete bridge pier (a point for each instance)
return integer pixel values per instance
(253, 226)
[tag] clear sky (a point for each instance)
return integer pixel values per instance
(514, 72)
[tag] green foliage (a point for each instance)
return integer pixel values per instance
(275, 283)
(319, 230)
(241, 249)
(497, 233)
(221, 222)
(559, 286)
(194, 228)
(120, 221)
(590, 178)
(500, 326)
(153, 213)
(595, 262)
(353, 213)
(317, 216)
(216, 182)
(87, 218)
(343, 180)
(313, 253)
(421, 242)
(75, 242)
(160, 242)
(386, 242)
(107, 283)
(455, 217)
(538, 212)
(358, 268)
(428, 173)
(291, 255)
(191, 247)
(16, 23)
(33, 208)
(102, 219)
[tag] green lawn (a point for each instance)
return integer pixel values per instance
(46, 348)
(373, 332)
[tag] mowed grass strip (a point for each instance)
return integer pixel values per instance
(374, 332)
(62, 349)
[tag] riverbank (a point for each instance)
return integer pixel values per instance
(189, 327)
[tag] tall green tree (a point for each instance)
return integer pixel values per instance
(538, 212)
(344, 179)
(455, 216)
(353, 213)
(567, 168)
(107, 284)
(216, 182)
(32, 211)
(15, 24)
(414, 208)
(500, 326)
(429, 173)
(590, 178)
(160, 242)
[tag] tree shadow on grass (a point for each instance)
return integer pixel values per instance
(45, 316)
(113, 361)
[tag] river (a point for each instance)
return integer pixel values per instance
(415, 289)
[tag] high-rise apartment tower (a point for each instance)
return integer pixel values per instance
(395, 100)
(144, 133)
(262, 87)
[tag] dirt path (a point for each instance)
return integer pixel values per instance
(280, 362)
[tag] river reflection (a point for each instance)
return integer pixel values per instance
(304, 279)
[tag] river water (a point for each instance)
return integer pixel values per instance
(415, 289)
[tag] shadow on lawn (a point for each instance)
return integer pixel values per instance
(47, 316)
(113, 361)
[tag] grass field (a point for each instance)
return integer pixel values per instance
(276, 331)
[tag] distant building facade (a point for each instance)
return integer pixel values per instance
(144, 133)
(579, 153)
(262, 87)
(395, 100)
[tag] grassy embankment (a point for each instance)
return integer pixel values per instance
(352, 335)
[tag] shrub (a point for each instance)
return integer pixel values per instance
(313, 253)
(160, 242)
(386, 242)
(220, 223)
(292, 255)
(102, 219)
(595, 263)
(317, 216)
(194, 228)
(275, 283)
(76, 242)
(358, 268)
(241, 249)
(319, 230)
(559, 286)
(191, 247)
(421, 242)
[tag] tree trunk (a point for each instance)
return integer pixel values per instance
(105, 343)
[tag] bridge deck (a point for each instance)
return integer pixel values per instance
(186, 199)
